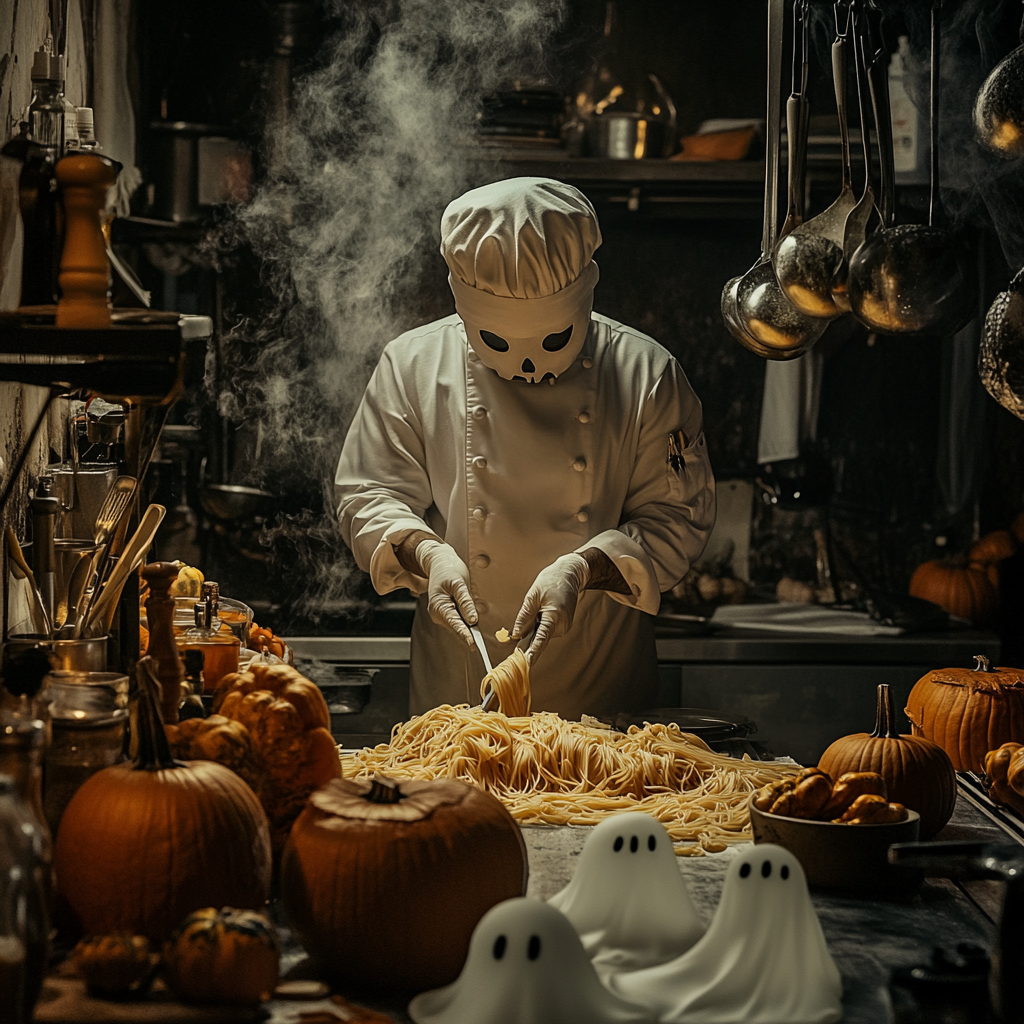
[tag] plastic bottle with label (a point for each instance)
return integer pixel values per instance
(909, 125)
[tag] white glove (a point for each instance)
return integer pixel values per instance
(448, 599)
(553, 597)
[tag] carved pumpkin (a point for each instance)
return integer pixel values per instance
(227, 956)
(142, 844)
(917, 772)
(960, 589)
(1005, 770)
(218, 739)
(114, 965)
(290, 726)
(384, 882)
(969, 712)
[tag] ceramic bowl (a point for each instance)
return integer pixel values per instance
(851, 857)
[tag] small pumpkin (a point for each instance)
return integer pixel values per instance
(960, 589)
(114, 965)
(289, 724)
(993, 547)
(383, 882)
(142, 844)
(917, 772)
(228, 956)
(218, 739)
(261, 639)
(1005, 770)
(969, 712)
(188, 583)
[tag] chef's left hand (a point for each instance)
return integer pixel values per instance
(553, 598)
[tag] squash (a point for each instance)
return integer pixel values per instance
(189, 581)
(872, 809)
(969, 712)
(994, 547)
(114, 965)
(917, 772)
(960, 589)
(383, 882)
(226, 956)
(290, 727)
(849, 788)
(218, 739)
(811, 792)
(261, 639)
(142, 844)
(1005, 770)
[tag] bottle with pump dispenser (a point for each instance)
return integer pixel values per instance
(219, 645)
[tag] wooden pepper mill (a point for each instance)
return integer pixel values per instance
(162, 648)
(84, 269)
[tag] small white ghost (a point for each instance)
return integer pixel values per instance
(627, 899)
(763, 959)
(525, 966)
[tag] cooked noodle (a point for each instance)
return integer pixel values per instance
(547, 770)
(510, 681)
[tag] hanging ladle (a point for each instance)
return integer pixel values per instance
(999, 108)
(907, 279)
(754, 307)
(1001, 354)
(808, 260)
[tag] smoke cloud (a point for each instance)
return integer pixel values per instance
(347, 232)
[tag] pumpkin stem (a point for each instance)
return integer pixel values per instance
(982, 664)
(885, 716)
(383, 791)
(154, 750)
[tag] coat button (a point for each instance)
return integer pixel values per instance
(480, 514)
(479, 412)
(472, 355)
(479, 462)
(588, 363)
(481, 561)
(584, 417)
(582, 516)
(579, 465)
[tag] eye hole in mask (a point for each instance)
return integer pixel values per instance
(556, 342)
(497, 343)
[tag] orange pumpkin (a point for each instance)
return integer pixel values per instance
(960, 589)
(142, 844)
(993, 547)
(1005, 770)
(384, 882)
(969, 712)
(917, 772)
(261, 639)
(287, 718)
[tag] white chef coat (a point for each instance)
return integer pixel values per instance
(512, 475)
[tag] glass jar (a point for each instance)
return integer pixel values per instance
(88, 716)
(220, 647)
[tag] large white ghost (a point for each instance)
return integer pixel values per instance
(525, 966)
(763, 960)
(627, 899)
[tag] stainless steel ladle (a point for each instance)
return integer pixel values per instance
(907, 279)
(999, 108)
(808, 260)
(1001, 354)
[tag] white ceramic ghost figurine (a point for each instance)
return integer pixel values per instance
(763, 959)
(525, 966)
(627, 899)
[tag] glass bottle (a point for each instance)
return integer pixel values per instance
(46, 108)
(220, 647)
(12, 946)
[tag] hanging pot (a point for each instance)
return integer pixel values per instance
(999, 108)
(1001, 354)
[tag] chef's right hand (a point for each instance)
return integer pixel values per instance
(448, 599)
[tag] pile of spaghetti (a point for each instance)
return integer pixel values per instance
(548, 770)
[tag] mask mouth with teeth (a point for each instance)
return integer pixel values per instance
(532, 340)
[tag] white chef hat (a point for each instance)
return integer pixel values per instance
(520, 256)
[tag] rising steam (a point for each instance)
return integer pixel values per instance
(347, 232)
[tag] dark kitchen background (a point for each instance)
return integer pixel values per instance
(913, 458)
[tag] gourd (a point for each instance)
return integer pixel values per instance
(1005, 770)
(969, 712)
(960, 589)
(261, 639)
(917, 772)
(226, 956)
(142, 844)
(189, 582)
(383, 882)
(218, 739)
(987, 553)
(289, 724)
(114, 965)
(872, 809)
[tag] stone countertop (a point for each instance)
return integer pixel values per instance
(867, 937)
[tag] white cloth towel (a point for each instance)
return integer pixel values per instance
(789, 409)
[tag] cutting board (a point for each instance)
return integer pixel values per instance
(65, 1001)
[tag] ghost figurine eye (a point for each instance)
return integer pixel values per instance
(533, 947)
(556, 342)
(618, 844)
(494, 341)
(652, 843)
(634, 844)
(766, 869)
(784, 871)
(744, 871)
(499, 947)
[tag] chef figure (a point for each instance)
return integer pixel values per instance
(528, 463)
